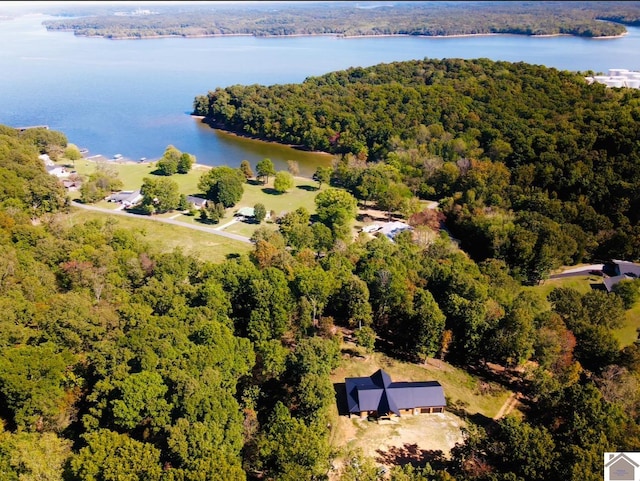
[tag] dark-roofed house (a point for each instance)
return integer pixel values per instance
(377, 396)
(196, 202)
(616, 271)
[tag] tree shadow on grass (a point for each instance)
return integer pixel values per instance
(271, 191)
(411, 454)
(254, 182)
(371, 217)
(159, 173)
(308, 188)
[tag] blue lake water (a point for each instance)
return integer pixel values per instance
(133, 97)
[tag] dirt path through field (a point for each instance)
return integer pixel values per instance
(507, 407)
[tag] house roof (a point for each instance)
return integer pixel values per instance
(199, 201)
(378, 393)
(246, 211)
(126, 196)
(392, 229)
(618, 271)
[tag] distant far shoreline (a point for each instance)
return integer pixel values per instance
(339, 36)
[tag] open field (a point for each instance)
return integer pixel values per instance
(132, 174)
(581, 284)
(628, 333)
(414, 439)
(166, 237)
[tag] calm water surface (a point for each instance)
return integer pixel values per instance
(133, 97)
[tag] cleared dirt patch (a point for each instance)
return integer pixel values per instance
(412, 439)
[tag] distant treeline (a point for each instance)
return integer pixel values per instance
(352, 19)
(506, 148)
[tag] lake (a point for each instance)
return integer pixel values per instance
(133, 97)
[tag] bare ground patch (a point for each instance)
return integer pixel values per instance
(420, 439)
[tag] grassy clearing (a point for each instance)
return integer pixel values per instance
(132, 174)
(581, 284)
(303, 194)
(167, 237)
(628, 333)
(473, 393)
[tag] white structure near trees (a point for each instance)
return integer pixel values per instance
(618, 77)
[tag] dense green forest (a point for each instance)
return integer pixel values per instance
(354, 19)
(531, 165)
(118, 362)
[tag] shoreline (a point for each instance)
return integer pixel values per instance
(252, 137)
(196, 166)
(339, 36)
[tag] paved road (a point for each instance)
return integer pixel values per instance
(202, 228)
(578, 271)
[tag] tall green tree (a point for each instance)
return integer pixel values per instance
(32, 381)
(322, 175)
(265, 169)
(111, 456)
(336, 208)
(222, 185)
(259, 212)
(290, 450)
(142, 401)
(162, 195)
(168, 163)
(245, 168)
(283, 181)
(185, 162)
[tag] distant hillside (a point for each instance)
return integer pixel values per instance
(352, 19)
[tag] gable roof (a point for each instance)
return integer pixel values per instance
(378, 393)
(392, 229)
(126, 196)
(618, 271)
(197, 201)
(246, 212)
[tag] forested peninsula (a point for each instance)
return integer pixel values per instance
(359, 19)
(531, 165)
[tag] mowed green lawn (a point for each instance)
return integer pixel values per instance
(132, 174)
(167, 237)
